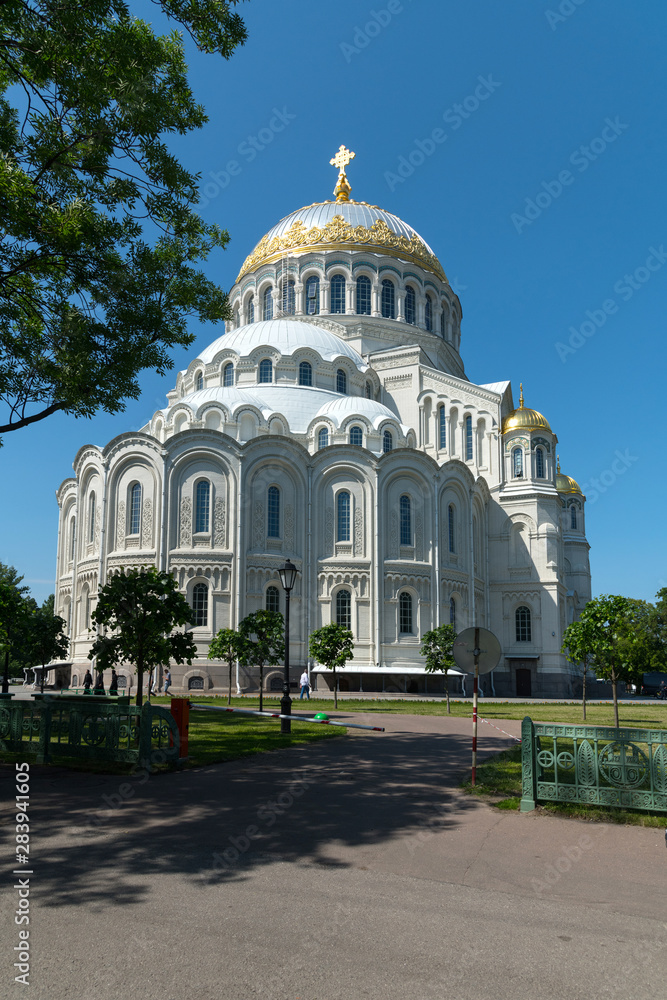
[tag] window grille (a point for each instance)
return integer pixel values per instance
(268, 303)
(344, 609)
(468, 438)
(388, 303)
(523, 625)
(387, 442)
(405, 614)
(272, 599)
(273, 504)
(266, 370)
(539, 463)
(442, 427)
(343, 516)
(338, 294)
(228, 375)
(288, 298)
(428, 314)
(251, 309)
(313, 296)
(135, 509)
(202, 505)
(341, 381)
(200, 604)
(323, 438)
(356, 436)
(410, 306)
(517, 463)
(364, 295)
(451, 527)
(406, 519)
(305, 373)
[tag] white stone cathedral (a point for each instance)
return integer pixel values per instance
(333, 424)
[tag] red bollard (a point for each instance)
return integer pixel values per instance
(180, 709)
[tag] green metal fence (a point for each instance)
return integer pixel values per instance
(595, 765)
(49, 728)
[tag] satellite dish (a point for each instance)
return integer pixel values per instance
(488, 650)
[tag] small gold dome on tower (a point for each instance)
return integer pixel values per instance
(525, 419)
(565, 484)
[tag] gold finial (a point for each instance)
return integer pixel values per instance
(558, 464)
(341, 160)
(521, 395)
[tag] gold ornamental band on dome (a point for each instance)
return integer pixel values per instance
(338, 234)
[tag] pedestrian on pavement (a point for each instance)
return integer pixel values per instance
(113, 687)
(305, 685)
(87, 682)
(167, 680)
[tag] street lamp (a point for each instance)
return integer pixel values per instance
(288, 579)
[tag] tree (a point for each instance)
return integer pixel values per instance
(611, 619)
(579, 640)
(263, 643)
(15, 608)
(437, 647)
(141, 608)
(46, 636)
(332, 645)
(642, 647)
(228, 646)
(100, 240)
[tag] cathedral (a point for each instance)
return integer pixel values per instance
(333, 424)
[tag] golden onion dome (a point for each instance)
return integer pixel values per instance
(565, 484)
(525, 419)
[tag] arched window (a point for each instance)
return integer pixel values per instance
(251, 309)
(202, 504)
(343, 516)
(323, 438)
(313, 295)
(573, 517)
(338, 294)
(452, 612)
(443, 321)
(273, 505)
(442, 426)
(200, 604)
(86, 610)
(288, 297)
(199, 381)
(268, 303)
(72, 538)
(468, 423)
(305, 373)
(344, 609)
(428, 314)
(388, 304)
(228, 375)
(272, 599)
(363, 295)
(341, 381)
(387, 442)
(517, 463)
(135, 509)
(405, 508)
(91, 518)
(266, 370)
(356, 436)
(539, 463)
(405, 614)
(451, 527)
(410, 305)
(368, 390)
(523, 627)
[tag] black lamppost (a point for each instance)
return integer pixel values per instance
(287, 578)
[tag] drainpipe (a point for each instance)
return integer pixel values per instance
(238, 567)
(164, 536)
(473, 615)
(307, 575)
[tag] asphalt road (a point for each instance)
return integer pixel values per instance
(353, 868)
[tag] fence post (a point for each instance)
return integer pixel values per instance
(528, 766)
(145, 735)
(46, 712)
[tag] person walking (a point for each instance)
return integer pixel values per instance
(167, 680)
(87, 682)
(305, 685)
(113, 687)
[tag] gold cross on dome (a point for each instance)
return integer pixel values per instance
(341, 160)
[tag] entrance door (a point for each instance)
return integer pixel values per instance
(523, 688)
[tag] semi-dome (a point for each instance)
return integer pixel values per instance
(341, 407)
(565, 484)
(285, 336)
(525, 419)
(342, 225)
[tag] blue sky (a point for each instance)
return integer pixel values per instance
(543, 197)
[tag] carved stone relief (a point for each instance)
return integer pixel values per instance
(120, 525)
(219, 522)
(419, 537)
(258, 527)
(358, 533)
(393, 535)
(328, 529)
(288, 524)
(186, 522)
(147, 524)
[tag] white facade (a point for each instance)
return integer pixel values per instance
(333, 424)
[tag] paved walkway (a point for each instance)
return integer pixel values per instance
(352, 868)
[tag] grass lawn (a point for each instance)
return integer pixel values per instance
(499, 779)
(214, 737)
(630, 714)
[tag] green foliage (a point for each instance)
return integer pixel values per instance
(437, 647)
(141, 608)
(262, 643)
(228, 646)
(16, 607)
(100, 242)
(46, 636)
(332, 645)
